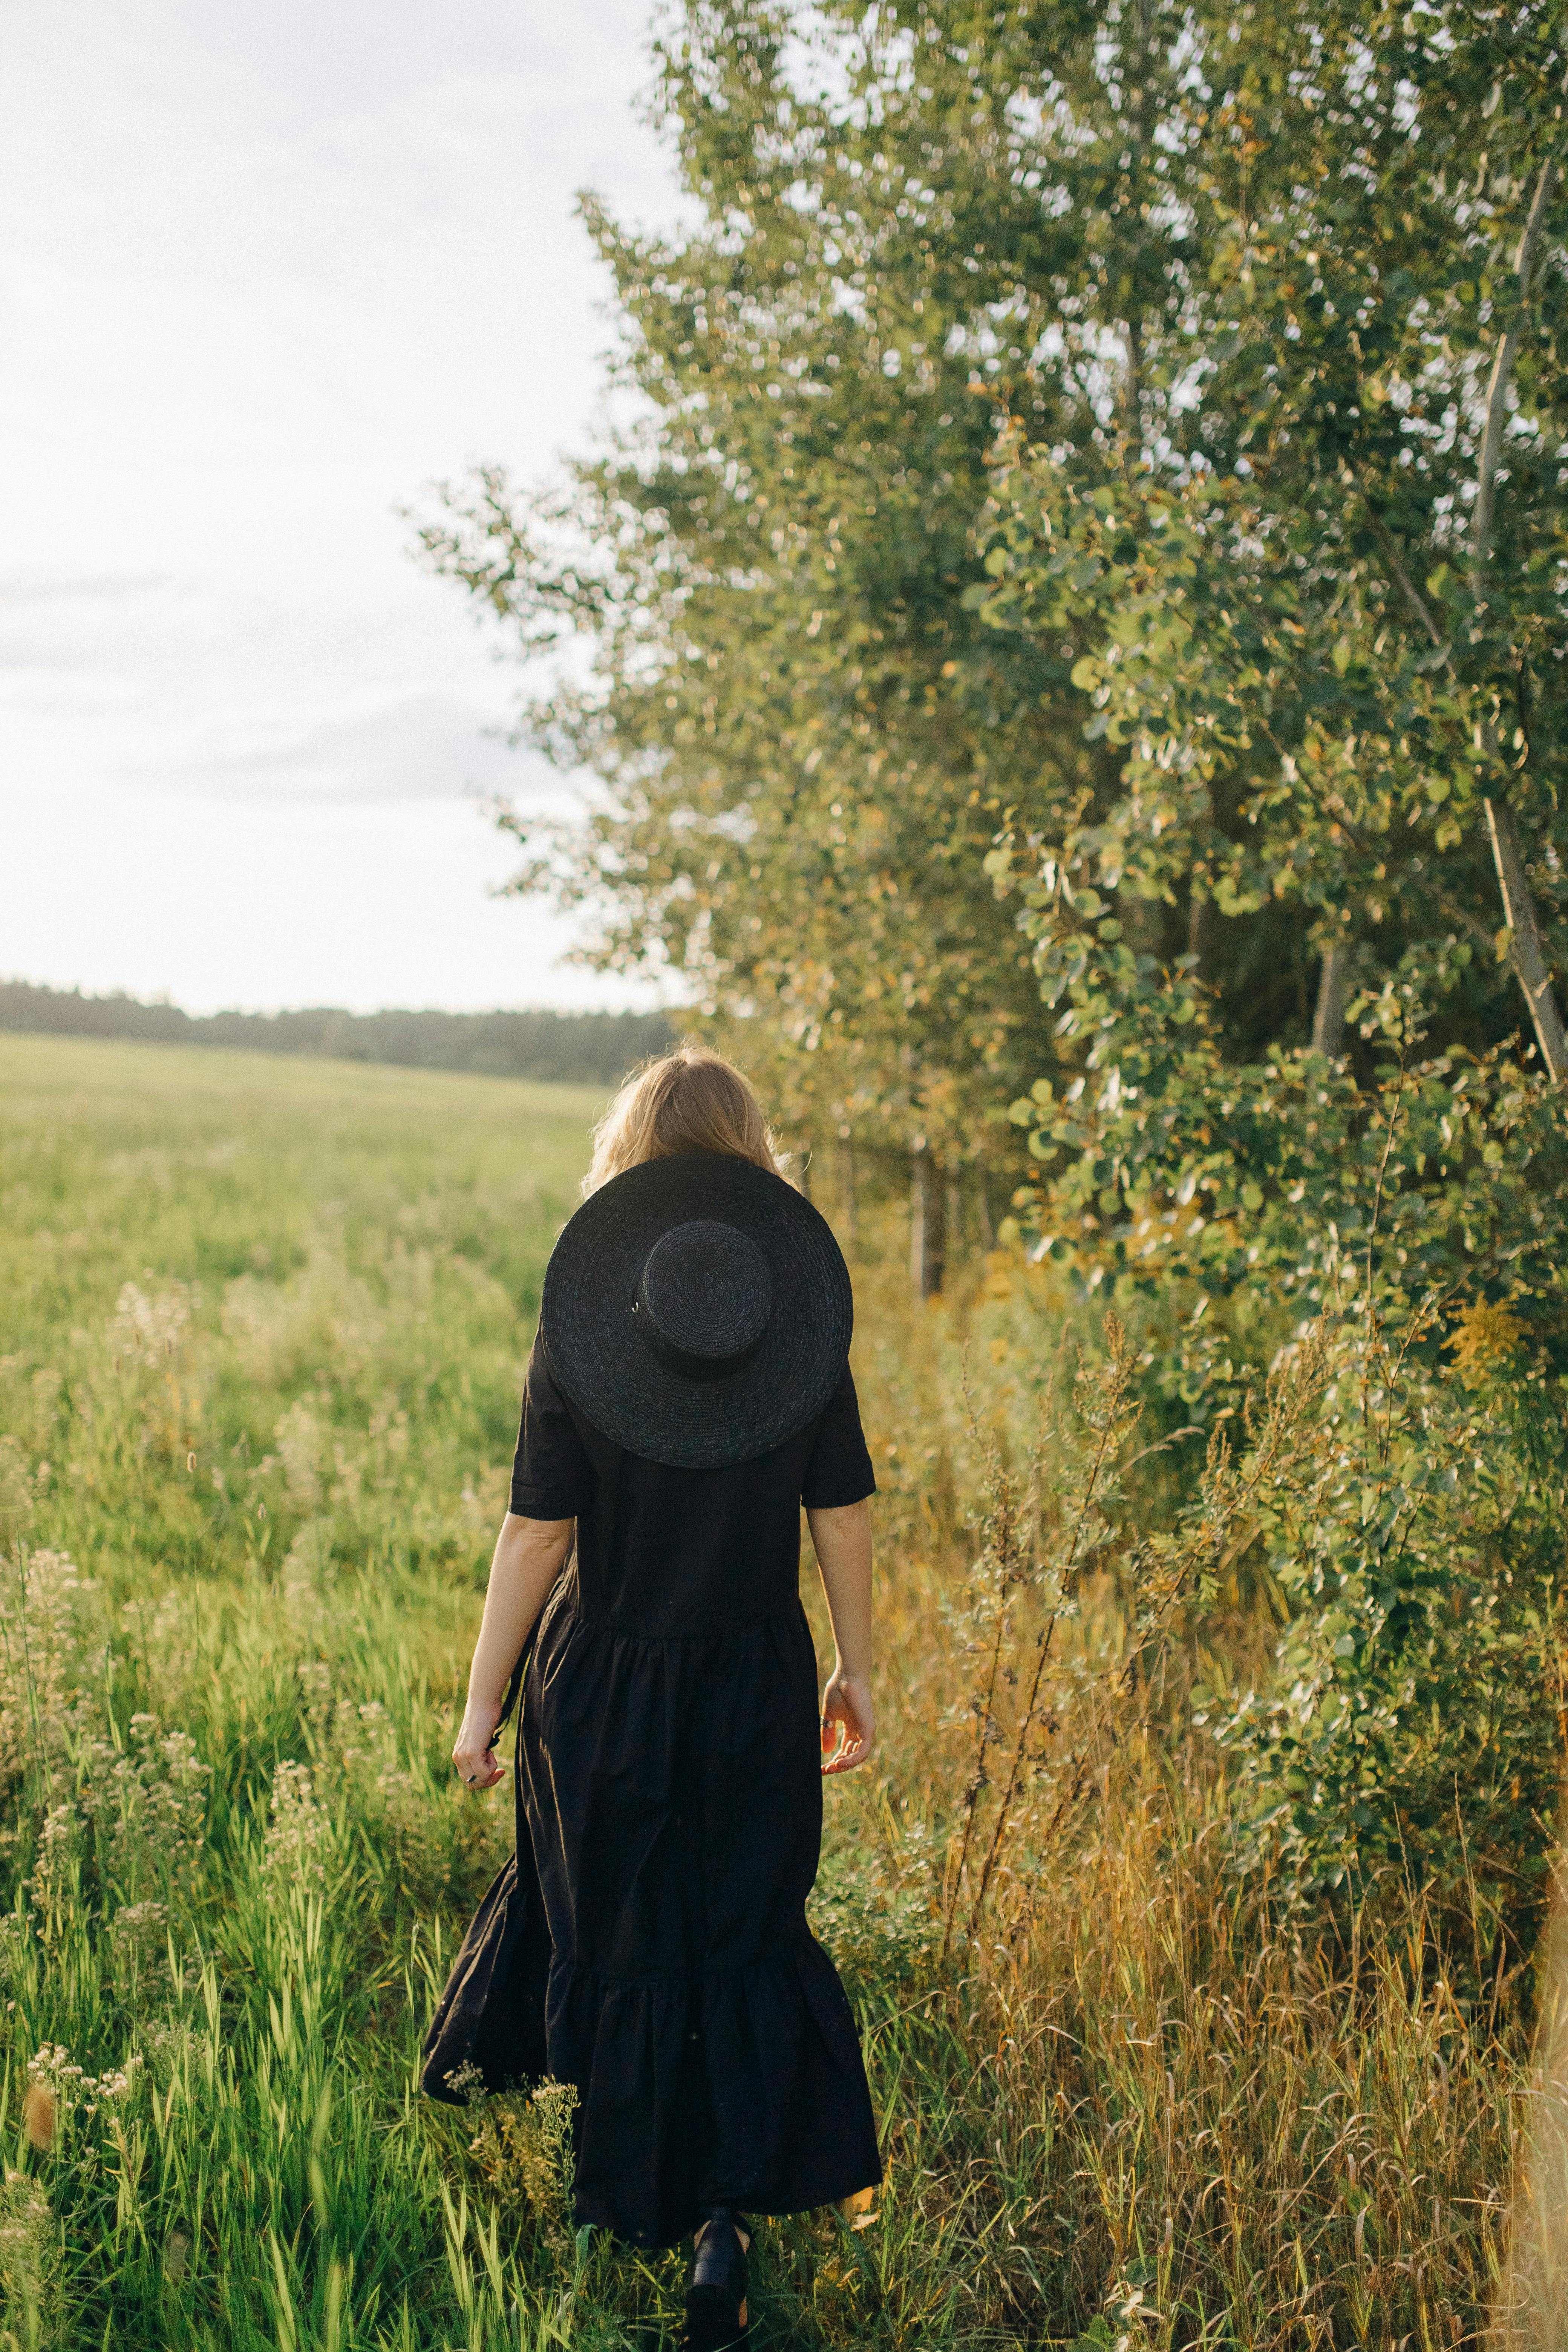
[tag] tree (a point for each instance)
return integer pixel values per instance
(1211, 288)
(1323, 592)
(805, 732)
(1316, 566)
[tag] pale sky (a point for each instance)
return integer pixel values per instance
(265, 273)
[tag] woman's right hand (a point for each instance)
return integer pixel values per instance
(846, 1707)
(529, 1555)
(472, 1754)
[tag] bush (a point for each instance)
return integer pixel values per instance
(1414, 1231)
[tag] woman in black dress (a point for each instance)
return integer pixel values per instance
(688, 1390)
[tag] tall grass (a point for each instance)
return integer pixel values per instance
(262, 1351)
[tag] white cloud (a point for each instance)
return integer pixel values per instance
(263, 275)
(409, 747)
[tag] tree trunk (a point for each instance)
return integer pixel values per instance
(1527, 956)
(925, 1224)
(1133, 326)
(1502, 371)
(1195, 907)
(983, 1206)
(1134, 380)
(848, 1187)
(1142, 922)
(1333, 995)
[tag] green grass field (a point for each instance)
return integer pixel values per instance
(263, 1335)
(263, 1344)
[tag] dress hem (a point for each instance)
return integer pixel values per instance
(757, 2201)
(740, 2085)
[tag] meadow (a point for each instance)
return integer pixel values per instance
(261, 1348)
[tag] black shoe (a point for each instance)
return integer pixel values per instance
(716, 2291)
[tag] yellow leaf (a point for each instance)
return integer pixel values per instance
(1484, 1338)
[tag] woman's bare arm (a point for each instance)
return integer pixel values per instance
(528, 1558)
(842, 1539)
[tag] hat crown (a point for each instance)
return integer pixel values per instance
(703, 1297)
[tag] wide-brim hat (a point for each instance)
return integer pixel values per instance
(697, 1311)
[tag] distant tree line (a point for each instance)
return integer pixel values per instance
(589, 1048)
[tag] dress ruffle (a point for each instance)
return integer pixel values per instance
(673, 1800)
(740, 2086)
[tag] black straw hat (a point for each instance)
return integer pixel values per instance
(697, 1311)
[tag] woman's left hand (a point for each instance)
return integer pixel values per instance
(848, 1722)
(474, 1756)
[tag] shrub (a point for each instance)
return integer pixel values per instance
(1414, 1231)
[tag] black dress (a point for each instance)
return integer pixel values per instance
(670, 1785)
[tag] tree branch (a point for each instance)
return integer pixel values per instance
(1333, 995)
(1390, 554)
(1503, 376)
(1421, 884)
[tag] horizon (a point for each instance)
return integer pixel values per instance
(163, 1003)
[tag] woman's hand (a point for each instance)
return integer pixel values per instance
(841, 1536)
(847, 1708)
(474, 1756)
(528, 1558)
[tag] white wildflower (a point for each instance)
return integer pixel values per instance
(299, 1833)
(29, 2250)
(148, 1330)
(301, 1448)
(54, 1890)
(52, 1638)
(148, 1807)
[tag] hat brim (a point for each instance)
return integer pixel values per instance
(599, 1360)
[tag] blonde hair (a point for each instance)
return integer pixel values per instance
(689, 1100)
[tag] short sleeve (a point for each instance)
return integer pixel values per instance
(550, 1471)
(839, 1470)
